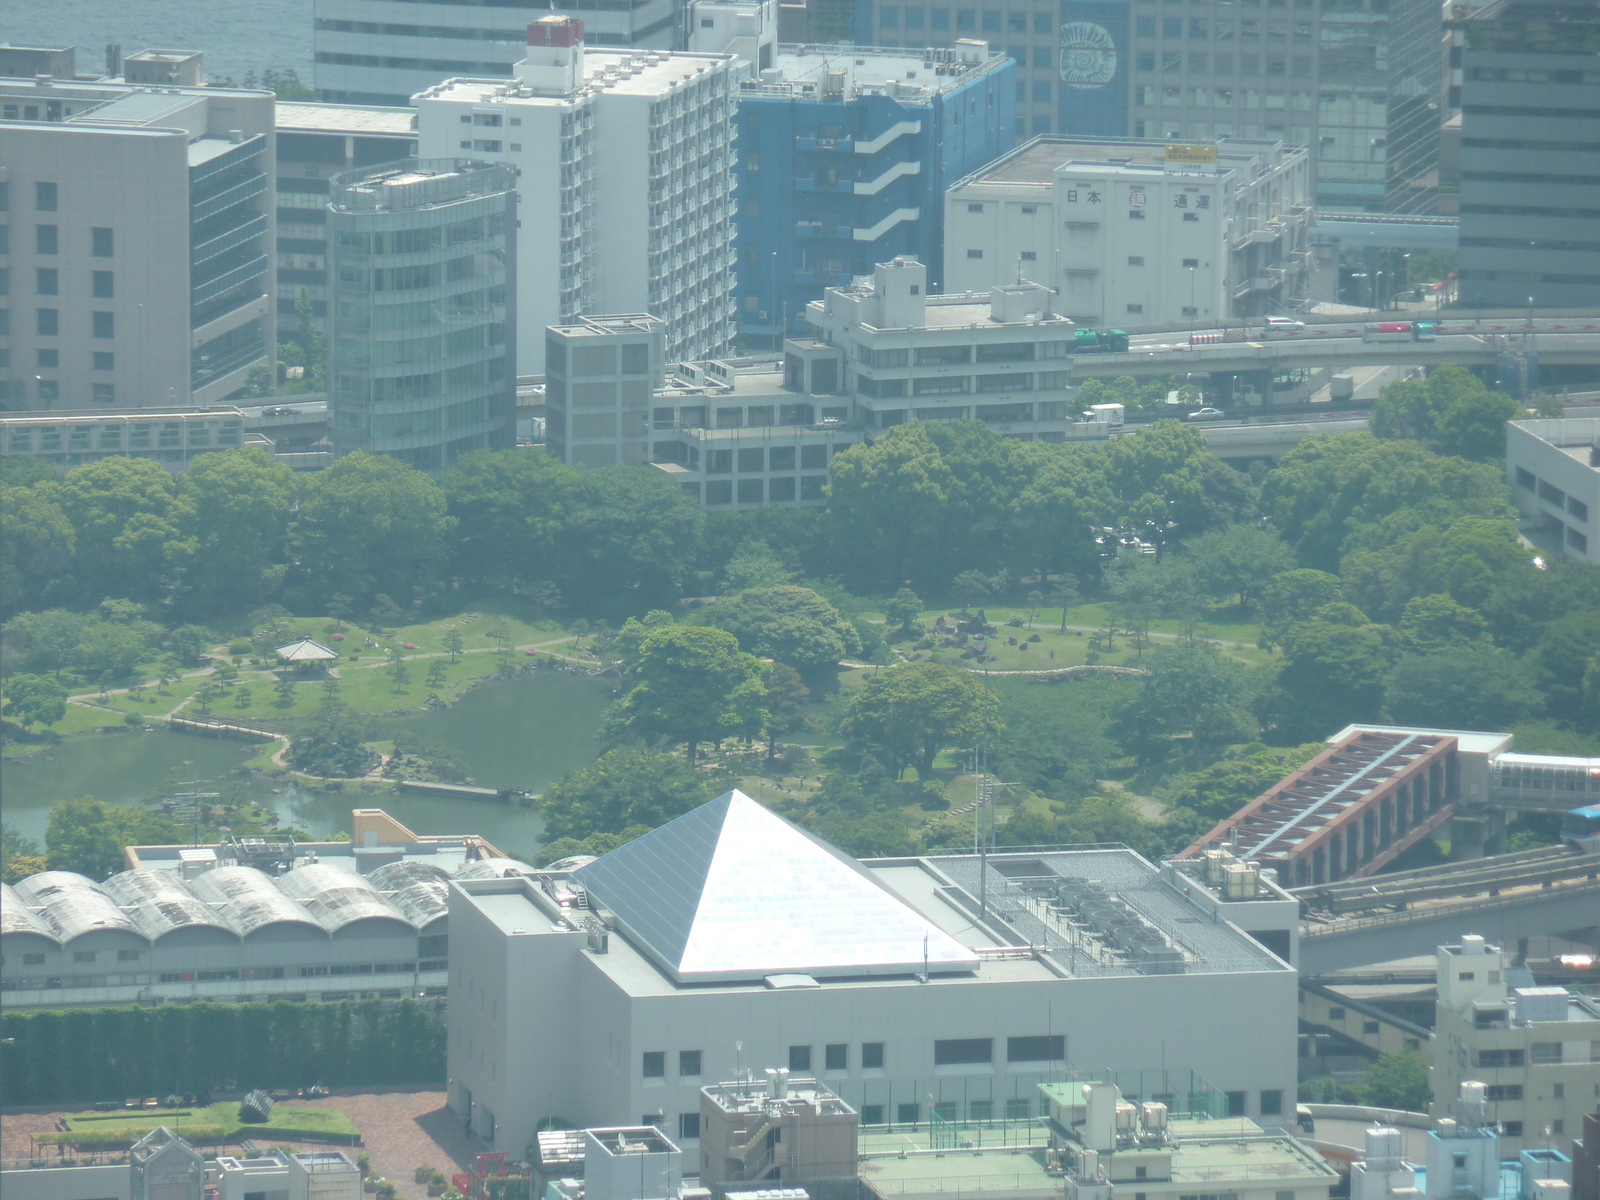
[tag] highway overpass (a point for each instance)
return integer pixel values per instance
(1557, 342)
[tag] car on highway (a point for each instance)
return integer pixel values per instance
(279, 412)
(1282, 325)
(1208, 414)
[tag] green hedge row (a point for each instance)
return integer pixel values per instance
(66, 1056)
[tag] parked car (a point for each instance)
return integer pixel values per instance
(1208, 414)
(1282, 325)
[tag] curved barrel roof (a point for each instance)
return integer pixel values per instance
(15, 917)
(73, 905)
(491, 868)
(337, 898)
(160, 903)
(248, 900)
(397, 876)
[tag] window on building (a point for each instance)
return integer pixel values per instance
(872, 1055)
(104, 325)
(1525, 479)
(1236, 1103)
(951, 1052)
(1136, 214)
(836, 1057)
(1191, 216)
(83, 956)
(1030, 256)
(1511, 1129)
(1336, 1013)
(719, 462)
(907, 1114)
(688, 1062)
(719, 491)
(1545, 1052)
(689, 1125)
(127, 956)
(872, 1114)
(1191, 263)
(1271, 1103)
(974, 253)
(47, 322)
(103, 284)
(780, 489)
(45, 197)
(799, 1058)
(1496, 1093)
(46, 239)
(752, 461)
(1044, 1048)
(48, 358)
(814, 458)
(655, 1064)
(46, 281)
(1190, 310)
(1136, 308)
(1369, 1027)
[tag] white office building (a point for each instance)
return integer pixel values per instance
(728, 941)
(625, 165)
(1531, 1054)
(1553, 468)
(139, 241)
(1131, 233)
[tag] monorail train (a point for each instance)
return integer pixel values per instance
(1581, 828)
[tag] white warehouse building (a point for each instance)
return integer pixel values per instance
(728, 941)
(625, 182)
(1131, 232)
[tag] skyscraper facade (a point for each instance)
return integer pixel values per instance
(1530, 157)
(386, 51)
(422, 361)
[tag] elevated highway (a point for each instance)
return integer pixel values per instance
(1556, 341)
(1355, 922)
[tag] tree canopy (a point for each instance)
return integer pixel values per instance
(789, 624)
(622, 789)
(693, 684)
(905, 716)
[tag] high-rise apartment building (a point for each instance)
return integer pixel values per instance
(624, 164)
(845, 154)
(421, 361)
(138, 241)
(1530, 157)
(383, 52)
(316, 142)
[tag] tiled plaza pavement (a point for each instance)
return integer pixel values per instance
(402, 1131)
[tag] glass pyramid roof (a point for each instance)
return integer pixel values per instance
(732, 891)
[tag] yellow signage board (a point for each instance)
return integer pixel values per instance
(1192, 154)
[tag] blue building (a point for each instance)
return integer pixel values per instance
(844, 156)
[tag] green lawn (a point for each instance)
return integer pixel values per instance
(287, 1121)
(1056, 649)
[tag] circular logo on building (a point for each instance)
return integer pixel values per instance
(1088, 55)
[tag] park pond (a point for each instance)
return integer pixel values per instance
(522, 733)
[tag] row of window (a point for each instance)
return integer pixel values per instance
(870, 1055)
(756, 460)
(1222, 97)
(993, 21)
(47, 241)
(89, 956)
(1223, 31)
(1222, 64)
(961, 385)
(47, 280)
(47, 323)
(1552, 495)
(782, 490)
(100, 360)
